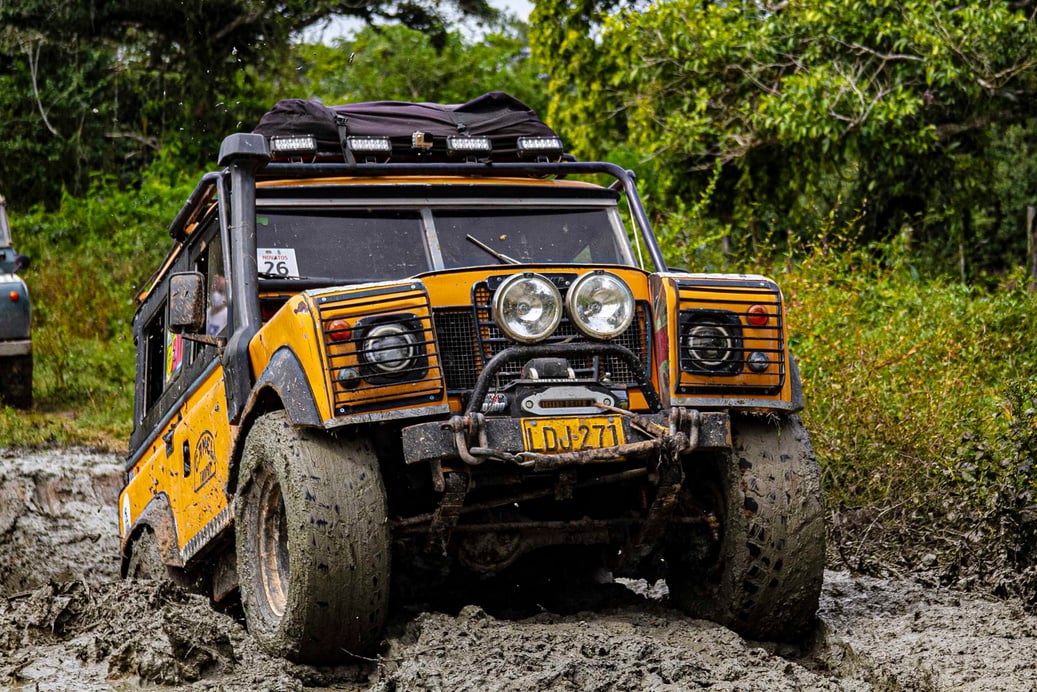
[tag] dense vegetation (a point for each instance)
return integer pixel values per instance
(873, 157)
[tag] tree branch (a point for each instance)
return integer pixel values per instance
(33, 63)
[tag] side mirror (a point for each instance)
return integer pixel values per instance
(21, 262)
(187, 303)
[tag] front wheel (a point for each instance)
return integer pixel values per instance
(312, 542)
(764, 579)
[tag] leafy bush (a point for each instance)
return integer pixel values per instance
(89, 258)
(921, 397)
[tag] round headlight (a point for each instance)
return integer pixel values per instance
(711, 346)
(601, 305)
(527, 307)
(390, 348)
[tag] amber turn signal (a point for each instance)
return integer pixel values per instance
(757, 315)
(340, 330)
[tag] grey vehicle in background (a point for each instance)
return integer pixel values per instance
(15, 322)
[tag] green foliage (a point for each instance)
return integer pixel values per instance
(102, 87)
(89, 258)
(921, 401)
(399, 63)
(911, 111)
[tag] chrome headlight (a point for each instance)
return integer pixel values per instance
(711, 342)
(601, 305)
(390, 348)
(527, 307)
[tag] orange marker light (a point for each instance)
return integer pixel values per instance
(757, 315)
(13, 295)
(340, 330)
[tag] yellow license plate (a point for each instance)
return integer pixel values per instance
(558, 435)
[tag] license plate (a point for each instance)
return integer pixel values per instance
(558, 435)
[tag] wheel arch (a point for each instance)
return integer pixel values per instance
(158, 518)
(281, 386)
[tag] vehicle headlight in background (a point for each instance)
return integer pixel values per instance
(527, 307)
(601, 305)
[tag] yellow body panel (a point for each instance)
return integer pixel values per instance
(195, 490)
(295, 326)
(453, 182)
(677, 296)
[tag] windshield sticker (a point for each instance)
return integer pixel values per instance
(277, 263)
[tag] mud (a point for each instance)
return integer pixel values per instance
(68, 622)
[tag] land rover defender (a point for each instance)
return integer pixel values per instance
(397, 343)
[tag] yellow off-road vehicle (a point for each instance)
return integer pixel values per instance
(395, 345)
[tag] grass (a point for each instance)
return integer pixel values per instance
(89, 258)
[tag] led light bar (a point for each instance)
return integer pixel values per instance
(422, 141)
(468, 145)
(298, 145)
(369, 145)
(540, 146)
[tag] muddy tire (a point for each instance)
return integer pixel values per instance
(16, 381)
(312, 542)
(145, 562)
(764, 578)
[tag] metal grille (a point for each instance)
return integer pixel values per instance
(464, 349)
(733, 299)
(356, 385)
(455, 330)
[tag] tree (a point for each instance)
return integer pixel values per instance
(100, 86)
(400, 63)
(891, 113)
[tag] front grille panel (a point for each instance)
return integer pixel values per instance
(455, 330)
(468, 338)
(368, 388)
(700, 300)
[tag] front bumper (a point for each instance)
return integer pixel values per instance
(20, 347)
(474, 438)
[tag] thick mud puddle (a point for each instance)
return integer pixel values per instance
(68, 622)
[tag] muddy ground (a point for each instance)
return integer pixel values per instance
(68, 622)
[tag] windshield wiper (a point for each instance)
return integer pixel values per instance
(270, 276)
(501, 257)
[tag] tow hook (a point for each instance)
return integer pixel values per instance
(464, 428)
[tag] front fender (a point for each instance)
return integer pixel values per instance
(15, 315)
(281, 385)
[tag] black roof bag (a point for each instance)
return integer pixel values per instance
(497, 115)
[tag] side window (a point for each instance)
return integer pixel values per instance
(216, 293)
(154, 358)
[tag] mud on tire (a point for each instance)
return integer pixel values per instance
(764, 580)
(312, 542)
(145, 562)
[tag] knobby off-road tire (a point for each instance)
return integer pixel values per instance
(145, 562)
(16, 381)
(766, 579)
(312, 542)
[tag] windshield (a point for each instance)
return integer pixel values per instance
(569, 236)
(355, 245)
(371, 244)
